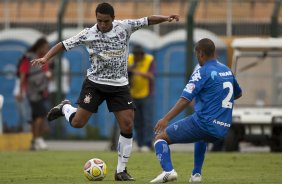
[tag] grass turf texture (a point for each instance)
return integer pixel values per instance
(66, 167)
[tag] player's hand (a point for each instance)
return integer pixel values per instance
(39, 62)
(173, 17)
(160, 126)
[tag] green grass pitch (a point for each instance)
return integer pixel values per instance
(52, 167)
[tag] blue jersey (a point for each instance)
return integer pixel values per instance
(213, 87)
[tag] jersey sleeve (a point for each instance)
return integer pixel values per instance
(132, 25)
(76, 40)
(237, 88)
(195, 84)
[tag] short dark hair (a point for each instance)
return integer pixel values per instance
(38, 44)
(206, 46)
(105, 8)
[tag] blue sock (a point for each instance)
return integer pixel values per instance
(163, 154)
(199, 156)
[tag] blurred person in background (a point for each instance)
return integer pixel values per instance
(22, 104)
(34, 81)
(213, 88)
(58, 129)
(107, 78)
(141, 71)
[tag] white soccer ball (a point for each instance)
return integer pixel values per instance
(95, 169)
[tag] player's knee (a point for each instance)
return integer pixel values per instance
(127, 126)
(163, 136)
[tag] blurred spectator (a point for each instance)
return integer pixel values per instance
(22, 104)
(58, 129)
(141, 76)
(34, 82)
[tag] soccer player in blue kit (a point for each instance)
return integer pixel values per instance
(213, 88)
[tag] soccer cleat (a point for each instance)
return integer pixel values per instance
(165, 177)
(56, 111)
(196, 178)
(123, 176)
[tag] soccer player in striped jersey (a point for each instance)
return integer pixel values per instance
(107, 78)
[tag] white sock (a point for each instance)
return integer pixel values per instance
(124, 152)
(68, 110)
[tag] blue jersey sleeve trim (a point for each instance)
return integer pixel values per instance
(187, 96)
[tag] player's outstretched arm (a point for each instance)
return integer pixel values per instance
(157, 19)
(180, 105)
(49, 55)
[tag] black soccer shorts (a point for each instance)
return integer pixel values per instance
(92, 95)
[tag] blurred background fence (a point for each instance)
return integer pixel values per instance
(22, 21)
(223, 17)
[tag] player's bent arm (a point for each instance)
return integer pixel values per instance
(157, 19)
(49, 55)
(180, 105)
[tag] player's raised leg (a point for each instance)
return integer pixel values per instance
(77, 117)
(125, 120)
(88, 103)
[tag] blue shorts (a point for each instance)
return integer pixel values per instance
(187, 131)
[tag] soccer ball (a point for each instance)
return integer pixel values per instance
(95, 169)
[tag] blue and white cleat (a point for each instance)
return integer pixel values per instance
(165, 177)
(196, 178)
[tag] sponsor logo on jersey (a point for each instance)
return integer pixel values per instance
(220, 123)
(224, 74)
(196, 76)
(107, 54)
(189, 87)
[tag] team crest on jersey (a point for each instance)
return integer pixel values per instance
(120, 33)
(213, 74)
(87, 98)
(189, 87)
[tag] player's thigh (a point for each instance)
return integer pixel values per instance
(119, 99)
(184, 131)
(90, 97)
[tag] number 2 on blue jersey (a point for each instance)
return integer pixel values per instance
(226, 101)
